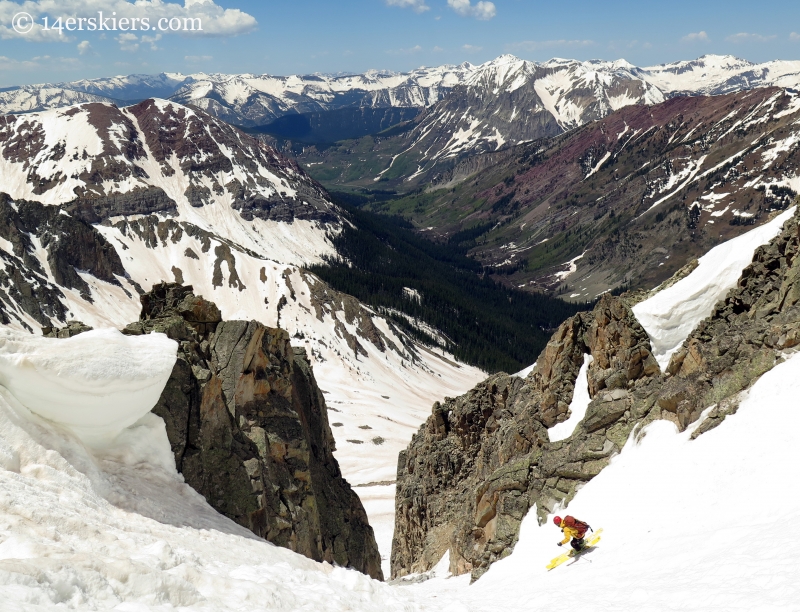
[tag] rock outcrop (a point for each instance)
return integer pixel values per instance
(70, 246)
(249, 429)
(481, 461)
(73, 328)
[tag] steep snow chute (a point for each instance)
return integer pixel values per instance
(96, 384)
(578, 405)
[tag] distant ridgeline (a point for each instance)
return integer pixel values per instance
(483, 323)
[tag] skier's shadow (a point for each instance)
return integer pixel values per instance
(583, 554)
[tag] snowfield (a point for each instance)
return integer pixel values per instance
(688, 525)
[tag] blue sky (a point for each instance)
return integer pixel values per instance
(304, 36)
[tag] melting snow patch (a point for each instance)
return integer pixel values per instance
(524, 373)
(599, 165)
(573, 266)
(671, 315)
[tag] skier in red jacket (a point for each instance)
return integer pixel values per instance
(574, 530)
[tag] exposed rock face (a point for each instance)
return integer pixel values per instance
(484, 459)
(70, 245)
(249, 429)
(100, 162)
(139, 201)
(68, 331)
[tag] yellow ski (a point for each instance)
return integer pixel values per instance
(592, 540)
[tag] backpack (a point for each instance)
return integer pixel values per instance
(580, 526)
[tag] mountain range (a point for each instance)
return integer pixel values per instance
(454, 111)
(624, 201)
(508, 101)
(251, 99)
(134, 203)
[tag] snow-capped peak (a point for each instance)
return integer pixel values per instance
(506, 58)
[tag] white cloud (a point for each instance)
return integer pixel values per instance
(6, 63)
(152, 40)
(418, 6)
(409, 51)
(128, 42)
(534, 45)
(216, 20)
(471, 48)
(794, 36)
(745, 37)
(437, 49)
(198, 58)
(694, 37)
(482, 10)
(84, 47)
(9, 64)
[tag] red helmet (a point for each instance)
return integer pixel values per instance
(557, 520)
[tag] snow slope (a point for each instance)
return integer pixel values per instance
(688, 525)
(118, 529)
(701, 525)
(671, 315)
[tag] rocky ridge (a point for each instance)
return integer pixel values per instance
(249, 429)
(99, 161)
(482, 460)
(44, 255)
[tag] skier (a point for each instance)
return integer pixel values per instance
(573, 529)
